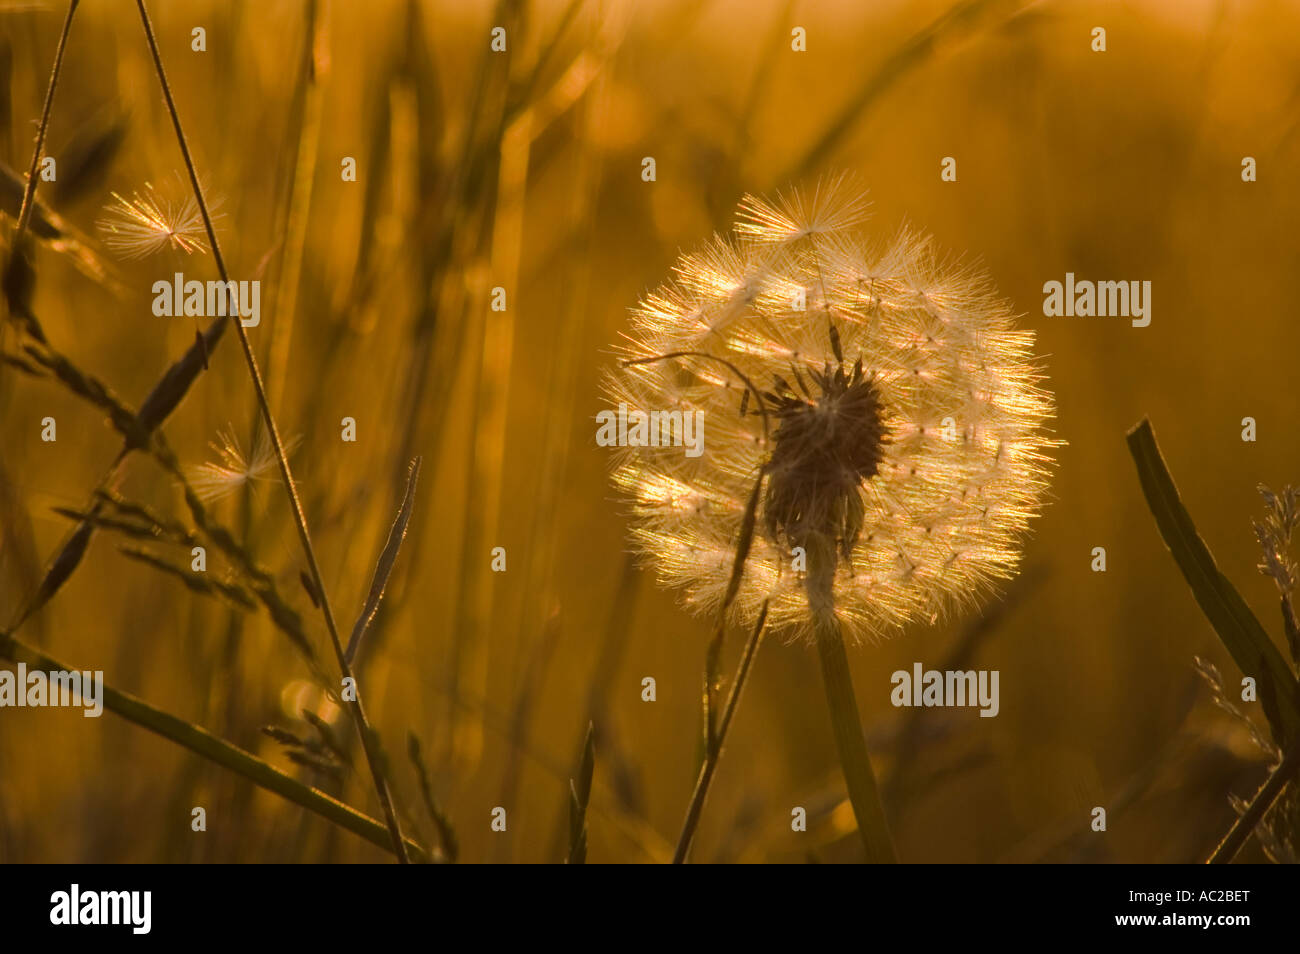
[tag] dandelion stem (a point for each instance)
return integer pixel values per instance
(368, 739)
(864, 793)
(713, 753)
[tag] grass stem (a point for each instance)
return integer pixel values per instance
(1259, 805)
(713, 753)
(29, 193)
(200, 741)
(368, 739)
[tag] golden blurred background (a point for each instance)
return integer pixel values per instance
(522, 170)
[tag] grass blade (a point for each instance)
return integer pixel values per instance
(918, 49)
(59, 570)
(386, 560)
(579, 798)
(166, 395)
(199, 740)
(713, 751)
(46, 226)
(446, 833)
(195, 582)
(295, 502)
(1257, 809)
(1237, 627)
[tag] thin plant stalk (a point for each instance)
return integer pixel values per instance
(961, 17)
(316, 63)
(1238, 628)
(217, 750)
(846, 722)
(713, 732)
(713, 657)
(602, 679)
(29, 193)
(746, 538)
(580, 798)
(714, 753)
(1240, 631)
(714, 653)
(864, 793)
(1258, 807)
(368, 740)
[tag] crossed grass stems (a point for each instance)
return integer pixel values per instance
(1240, 631)
(140, 430)
(139, 433)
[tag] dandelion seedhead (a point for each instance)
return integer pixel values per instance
(234, 468)
(148, 222)
(891, 408)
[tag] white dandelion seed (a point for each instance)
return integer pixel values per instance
(149, 222)
(234, 468)
(906, 450)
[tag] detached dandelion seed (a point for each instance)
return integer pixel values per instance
(908, 449)
(149, 222)
(882, 402)
(234, 468)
